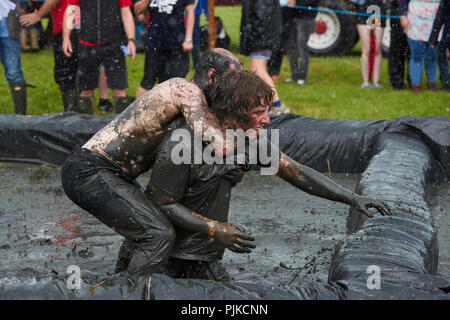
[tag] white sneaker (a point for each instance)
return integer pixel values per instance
(288, 80)
(279, 110)
(301, 82)
(365, 85)
(377, 86)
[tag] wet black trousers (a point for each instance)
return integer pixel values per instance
(398, 56)
(100, 187)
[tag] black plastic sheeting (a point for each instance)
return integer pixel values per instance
(347, 145)
(397, 157)
(404, 247)
(161, 287)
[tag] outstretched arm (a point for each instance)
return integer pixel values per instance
(317, 184)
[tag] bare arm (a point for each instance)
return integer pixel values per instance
(36, 16)
(190, 19)
(141, 6)
(128, 24)
(199, 117)
(67, 30)
(317, 184)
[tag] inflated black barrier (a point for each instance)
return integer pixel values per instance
(397, 157)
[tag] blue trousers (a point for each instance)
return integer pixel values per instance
(10, 57)
(422, 55)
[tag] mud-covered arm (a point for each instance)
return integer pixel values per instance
(317, 184)
(199, 117)
(166, 189)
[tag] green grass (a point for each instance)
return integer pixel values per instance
(333, 89)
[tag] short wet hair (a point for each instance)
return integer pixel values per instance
(217, 59)
(236, 93)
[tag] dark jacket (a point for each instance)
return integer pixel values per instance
(260, 26)
(442, 17)
(101, 21)
(13, 20)
(296, 13)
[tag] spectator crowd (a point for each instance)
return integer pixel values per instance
(91, 39)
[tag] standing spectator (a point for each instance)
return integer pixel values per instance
(31, 31)
(65, 68)
(169, 40)
(10, 53)
(416, 18)
(366, 25)
(303, 25)
(276, 59)
(442, 18)
(200, 6)
(261, 29)
(101, 35)
(398, 51)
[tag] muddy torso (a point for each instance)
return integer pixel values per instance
(132, 138)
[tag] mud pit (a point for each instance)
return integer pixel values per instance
(43, 232)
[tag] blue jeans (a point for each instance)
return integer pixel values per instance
(422, 54)
(10, 57)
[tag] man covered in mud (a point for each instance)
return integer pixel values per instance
(100, 176)
(195, 197)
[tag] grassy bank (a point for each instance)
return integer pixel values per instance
(333, 89)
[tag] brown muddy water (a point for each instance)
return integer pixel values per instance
(43, 232)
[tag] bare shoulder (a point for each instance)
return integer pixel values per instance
(186, 92)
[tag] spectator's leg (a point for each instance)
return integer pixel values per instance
(364, 35)
(65, 71)
(417, 49)
(196, 40)
(24, 32)
(378, 58)
(396, 59)
(259, 67)
(87, 77)
(153, 59)
(116, 75)
(10, 57)
(34, 37)
(177, 63)
(274, 65)
(443, 68)
(431, 64)
(305, 27)
(292, 50)
(104, 104)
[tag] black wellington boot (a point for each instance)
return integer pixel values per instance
(70, 99)
(84, 105)
(121, 103)
(19, 97)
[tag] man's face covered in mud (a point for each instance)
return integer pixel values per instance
(259, 117)
(240, 100)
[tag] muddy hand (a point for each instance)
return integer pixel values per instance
(363, 203)
(233, 237)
